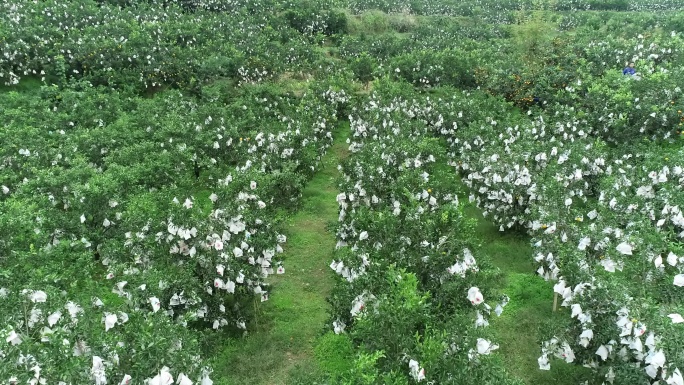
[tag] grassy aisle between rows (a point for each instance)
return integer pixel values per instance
(290, 323)
(522, 325)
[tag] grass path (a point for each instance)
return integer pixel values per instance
(290, 323)
(528, 315)
(288, 341)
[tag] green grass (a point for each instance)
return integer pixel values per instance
(529, 314)
(334, 353)
(288, 340)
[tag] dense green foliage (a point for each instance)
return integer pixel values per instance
(150, 150)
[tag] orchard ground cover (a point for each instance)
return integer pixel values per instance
(288, 327)
(530, 312)
(128, 219)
